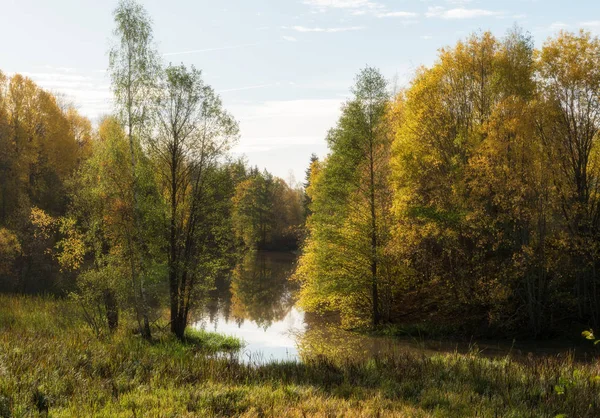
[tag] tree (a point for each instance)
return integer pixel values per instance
(194, 132)
(267, 212)
(133, 66)
(98, 231)
(344, 263)
(38, 154)
(306, 201)
(569, 72)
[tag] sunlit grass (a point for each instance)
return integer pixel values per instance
(50, 360)
(212, 341)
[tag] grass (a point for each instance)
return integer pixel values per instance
(212, 342)
(51, 364)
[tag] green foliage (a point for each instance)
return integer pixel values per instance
(193, 134)
(344, 265)
(267, 212)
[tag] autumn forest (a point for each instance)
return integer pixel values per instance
(463, 206)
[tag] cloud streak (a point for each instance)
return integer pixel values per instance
(460, 13)
(305, 29)
(397, 14)
(258, 86)
(324, 5)
(358, 8)
(591, 24)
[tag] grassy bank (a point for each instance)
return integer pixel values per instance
(50, 362)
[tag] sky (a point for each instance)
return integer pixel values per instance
(282, 67)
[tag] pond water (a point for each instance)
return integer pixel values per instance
(257, 303)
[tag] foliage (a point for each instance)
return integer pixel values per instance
(194, 133)
(10, 249)
(267, 212)
(483, 200)
(42, 143)
(344, 264)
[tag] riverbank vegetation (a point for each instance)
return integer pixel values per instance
(52, 362)
(470, 198)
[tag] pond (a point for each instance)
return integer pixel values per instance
(258, 303)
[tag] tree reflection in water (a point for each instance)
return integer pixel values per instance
(256, 303)
(258, 290)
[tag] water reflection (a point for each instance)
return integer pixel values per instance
(260, 289)
(256, 303)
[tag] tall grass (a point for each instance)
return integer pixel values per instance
(50, 363)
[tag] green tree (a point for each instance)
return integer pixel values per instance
(99, 230)
(306, 200)
(194, 132)
(133, 67)
(344, 264)
(267, 212)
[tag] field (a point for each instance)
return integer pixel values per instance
(51, 364)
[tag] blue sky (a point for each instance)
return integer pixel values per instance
(282, 67)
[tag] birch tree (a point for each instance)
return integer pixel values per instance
(133, 66)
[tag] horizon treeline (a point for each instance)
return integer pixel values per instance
(470, 198)
(145, 210)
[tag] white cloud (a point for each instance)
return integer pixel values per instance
(281, 123)
(258, 144)
(397, 14)
(257, 86)
(222, 48)
(289, 38)
(90, 94)
(558, 26)
(281, 134)
(358, 8)
(591, 24)
(460, 13)
(324, 5)
(326, 30)
(459, 2)
(426, 37)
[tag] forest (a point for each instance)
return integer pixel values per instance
(144, 210)
(463, 205)
(471, 194)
